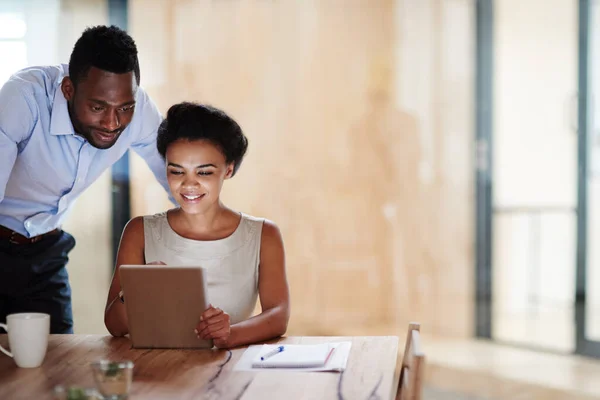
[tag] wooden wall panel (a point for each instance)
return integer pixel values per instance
(359, 115)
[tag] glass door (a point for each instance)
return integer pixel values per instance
(538, 174)
(534, 201)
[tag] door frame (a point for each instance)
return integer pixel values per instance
(583, 345)
(121, 192)
(484, 70)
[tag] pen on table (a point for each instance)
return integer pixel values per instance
(272, 353)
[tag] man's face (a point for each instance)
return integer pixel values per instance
(101, 106)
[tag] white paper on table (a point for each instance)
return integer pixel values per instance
(336, 363)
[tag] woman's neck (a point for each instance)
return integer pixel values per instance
(213, 223)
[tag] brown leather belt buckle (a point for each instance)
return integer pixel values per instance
(18, 239)
(37, 238)
(13, 239)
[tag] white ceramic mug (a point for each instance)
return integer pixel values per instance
(27, 337)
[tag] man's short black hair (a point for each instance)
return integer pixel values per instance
(192, 121)
(107, 48)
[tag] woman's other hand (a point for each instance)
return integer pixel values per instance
(214, 324)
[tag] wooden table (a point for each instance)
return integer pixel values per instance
(204, 374)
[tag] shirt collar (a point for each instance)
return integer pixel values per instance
(60, 121)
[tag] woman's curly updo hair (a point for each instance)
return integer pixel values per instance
(192, 121)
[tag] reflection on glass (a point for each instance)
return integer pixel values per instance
(535, 174)
(533, 270)
(14, 57)
(12, 26)
(13, 49)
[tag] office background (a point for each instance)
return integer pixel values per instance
(430, 160)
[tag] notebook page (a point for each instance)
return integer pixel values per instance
(294, 356)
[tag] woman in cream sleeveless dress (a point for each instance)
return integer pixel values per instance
(231, 263)
(243, 255)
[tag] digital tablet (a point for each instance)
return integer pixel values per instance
(164, 304)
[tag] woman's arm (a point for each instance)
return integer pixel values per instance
(131, 251)
(274, 299)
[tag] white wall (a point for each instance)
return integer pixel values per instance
(53, 26)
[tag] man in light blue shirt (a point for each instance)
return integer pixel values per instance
(61, 127)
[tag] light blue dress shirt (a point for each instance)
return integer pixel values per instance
(44, 165)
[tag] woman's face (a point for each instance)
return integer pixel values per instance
(195, 172)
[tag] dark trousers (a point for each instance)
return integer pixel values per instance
(34, 278)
